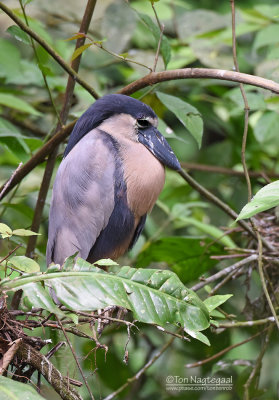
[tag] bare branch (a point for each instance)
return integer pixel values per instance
(142, 370)
(76, 359)
(37, 360)
(199, 73)
(220, 353)
(224, 272)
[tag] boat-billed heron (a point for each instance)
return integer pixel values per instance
(109, 179)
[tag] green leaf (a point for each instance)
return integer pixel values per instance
(255, 100)
(217, 314)
(188, 115)
(25, 2)
(154, 296)
(199, 336)
(105, 262)
(19, 34)
(215, 301)
(208, 229)
(267, 36)
(16, 145)
(266, 127)
(9, 61)
(80, 50)
(12, 101)
(76, 36)
(21, 208)
(264, 199)
(165, 46)
(188, 257)
(5, 231)
(23, 264)
(36, 296)
(13, 390)
(24, 232)
(197, 22)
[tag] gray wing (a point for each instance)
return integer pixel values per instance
(82, 198)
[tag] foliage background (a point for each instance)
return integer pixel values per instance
(197, 34)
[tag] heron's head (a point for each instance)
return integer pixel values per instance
(125, 118)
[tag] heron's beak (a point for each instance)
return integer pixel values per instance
(155, 142)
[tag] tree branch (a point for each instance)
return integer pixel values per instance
(37, 360)
(220, 353)
(142, 370)
(199, 73)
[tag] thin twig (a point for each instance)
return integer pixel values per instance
(142, 370)
(261, 273)
(220, 353)
(10, 253)
(246, 324)
(258, 364)
(99, 44)
(112, 53)
(223, 282)
(49, 49)
(246, 106)
(224, 272)
(161, 27)
(76, 359)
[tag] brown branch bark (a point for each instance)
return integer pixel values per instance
(199, 73)
(38, 361)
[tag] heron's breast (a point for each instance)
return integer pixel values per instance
(144, 176)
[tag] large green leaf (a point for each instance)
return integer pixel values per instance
(24, 264)
(13, 390)
(266, 198)
(154, 296)
(188, 115)
(188, 257)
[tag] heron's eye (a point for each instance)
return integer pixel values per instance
(143, 123)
